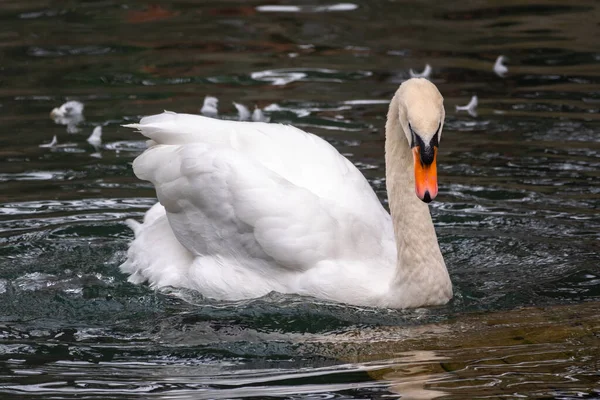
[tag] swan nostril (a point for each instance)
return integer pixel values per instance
(427, 197)
(427, 155)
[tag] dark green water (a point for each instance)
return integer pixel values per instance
(518, 215)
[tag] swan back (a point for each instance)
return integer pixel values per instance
(303, 159)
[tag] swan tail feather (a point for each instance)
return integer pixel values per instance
(155, 256)
(173, 128)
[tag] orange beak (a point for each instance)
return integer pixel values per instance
(426, 185)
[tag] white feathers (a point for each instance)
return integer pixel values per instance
(53, 143)
(471, 108)
(69, 114)
(239, 197)
(259, 116)
(209, 108)
(68, 109)
(243, 112)
(425, 74)
(95, 138)
(499, 68)
(247, 208)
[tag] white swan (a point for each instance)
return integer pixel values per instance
(259, 116)
(210, 107)
(499, 68)
(243, 112)
(425, 74)
(95, 139)
(247, 208)
(471, 107)
(53, 143)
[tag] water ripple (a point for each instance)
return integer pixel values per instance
(308, 8)
(516, 217)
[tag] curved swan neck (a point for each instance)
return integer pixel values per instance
(421, 276)
(411, 218)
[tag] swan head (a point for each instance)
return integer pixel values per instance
(422, 116)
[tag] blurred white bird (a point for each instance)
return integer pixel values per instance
(69, 114)
(499, 68)
(243, 112)
(95, 138)
(70, 108)
(425, 74)
(209, 108)
(51, 144)
(259, 116)
(471, 108)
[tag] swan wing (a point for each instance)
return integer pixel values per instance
(221, 203)
(301, 158)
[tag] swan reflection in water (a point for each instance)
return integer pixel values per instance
(419, 370)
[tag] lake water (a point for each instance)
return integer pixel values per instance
(518, 214)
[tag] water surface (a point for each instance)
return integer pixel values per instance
(517, 216)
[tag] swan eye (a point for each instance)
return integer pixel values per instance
(434, 141)
(413, 140)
